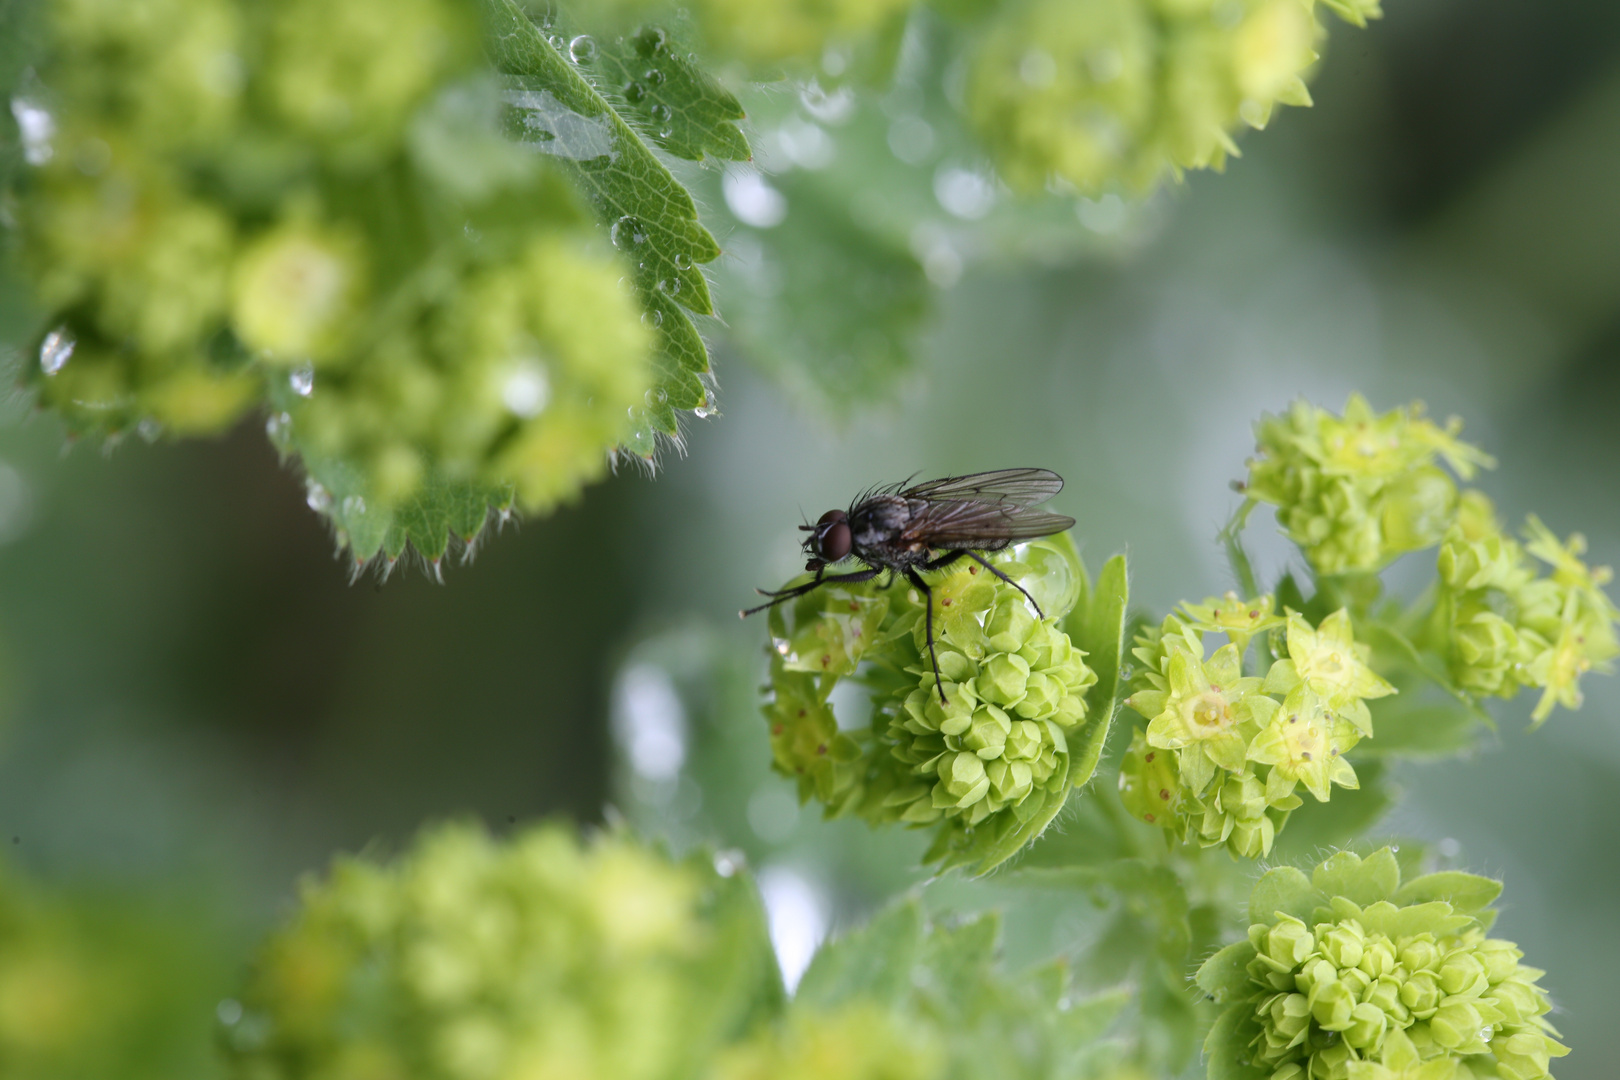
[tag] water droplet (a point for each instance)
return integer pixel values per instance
(149, 429)
(35, 126)
(318, 498)
(635, 93)
(683, 261)
(628, 232)
(302, 380)
(704, 411)
(556, 41)
(582, 49)
(472, 233)
(353, 506)
(654, 77)
(651, 41)
(727, 863)
(229, 1012)
(56, 350)
(662, 113)
(278, 426)
(653, 318)
(656, 397)
(670, 285)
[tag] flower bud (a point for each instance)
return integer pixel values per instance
(1002, 680)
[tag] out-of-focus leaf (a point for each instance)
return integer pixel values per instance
(680, 107)
(822, 304)
(649, 215)
(873, 962)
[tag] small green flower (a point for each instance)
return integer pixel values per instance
(537, 956)
(1327, 662)
(1240, 620)
(1349, 973)
(862, 1041)
(1357, 491)
(1209, 713)
(1503, 628)
(1239, 752)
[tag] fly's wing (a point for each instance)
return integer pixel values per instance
(980, 525)
(1007, 487)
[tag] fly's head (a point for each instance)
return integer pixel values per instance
(829, 540)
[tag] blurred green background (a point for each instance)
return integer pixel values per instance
(198, 705)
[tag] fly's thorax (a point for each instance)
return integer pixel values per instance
(877, 522)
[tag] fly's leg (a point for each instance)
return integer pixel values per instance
(799, 590)
(928, 623)
(980, 559)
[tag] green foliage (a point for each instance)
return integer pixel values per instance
(1022, 723)
(966, 1018)
(1350, 973)
(649, 215)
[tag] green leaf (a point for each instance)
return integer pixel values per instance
(1225, 975)
(1465, 892)
(678, 105)
(957, 959)
(1101, 633)
(742, 985)
(1226, 1047)
(1361, 881)
(1285, 889)
(649, 215)
(873, 962)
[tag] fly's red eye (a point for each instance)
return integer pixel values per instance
(831, 516)
(835, 541)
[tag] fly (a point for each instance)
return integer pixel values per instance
(910, 530)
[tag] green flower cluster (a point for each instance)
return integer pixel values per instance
(1223, 753)
(992, 760)
(1507, 628)
(1349, 975)
(311, 206)
(1124, 91)
(539, 956)
(1358, 490)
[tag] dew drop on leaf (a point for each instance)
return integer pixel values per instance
(354, 505)
(318, 498)
(654, 77)
(656, 397)
(683, 261)
(278, 427)
(582, 49)
(670, 285)
(662, 113)
(651, 41)
(628, 233)
(635, 93)
(56, 350)
(302, 380)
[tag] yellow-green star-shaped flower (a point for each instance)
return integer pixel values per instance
(1328, 662)
(1306, 745)
(1209, 713)
(1239, 619)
